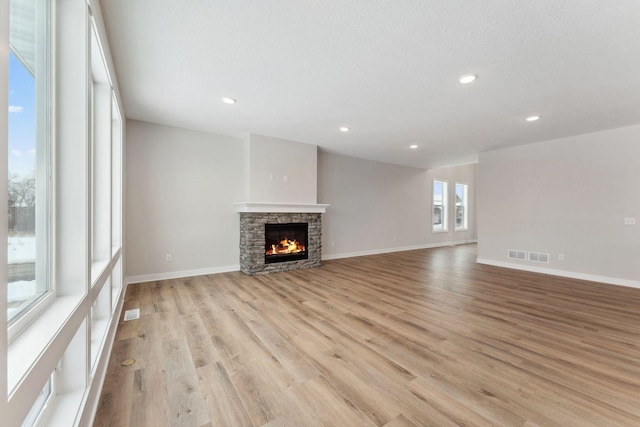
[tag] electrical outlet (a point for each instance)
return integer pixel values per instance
(629, 221)
(169, 258)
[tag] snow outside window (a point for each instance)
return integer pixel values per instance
(28, 157)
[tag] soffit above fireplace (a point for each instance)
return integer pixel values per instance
(280, 207)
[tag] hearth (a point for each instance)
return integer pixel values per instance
(285, 242)
(298, 227)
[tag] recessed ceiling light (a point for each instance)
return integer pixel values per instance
(413, 146)
(467, 78)
(533, 118)
(344, 129)
(228, 100)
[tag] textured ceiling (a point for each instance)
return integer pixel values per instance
(389, 70)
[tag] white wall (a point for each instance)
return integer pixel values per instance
(181, 187)
(378, 207)
(567, 196)
(281, 171)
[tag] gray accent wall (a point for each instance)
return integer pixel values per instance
(567, 197)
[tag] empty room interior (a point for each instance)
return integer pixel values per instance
(320, 213)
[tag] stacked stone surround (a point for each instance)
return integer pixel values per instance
(252, 242)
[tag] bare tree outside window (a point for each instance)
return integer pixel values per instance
(28, 139)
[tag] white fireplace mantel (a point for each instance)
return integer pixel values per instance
(279, 207)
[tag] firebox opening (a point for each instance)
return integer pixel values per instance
(285, 242)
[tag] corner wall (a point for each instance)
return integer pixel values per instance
(378, 207)
(181, 187)
(567, 196)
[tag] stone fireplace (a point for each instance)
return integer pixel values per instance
(272, 235)
(285, 232)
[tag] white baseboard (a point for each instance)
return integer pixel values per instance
(236, 267)
(397, 249)
(562, 273)
(180, 274)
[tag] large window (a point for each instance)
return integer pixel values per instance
(462, 206)
(63, 154)
(439, 206)
(101, 157)
(28, 157)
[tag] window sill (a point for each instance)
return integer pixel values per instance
(115, 297)
(98, 269)
(461, 229)
(99, 329)
(34, 340)
(31, 314)
(101, 269)
(439, 231)
(63, 410)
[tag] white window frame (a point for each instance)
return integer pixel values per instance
(37, 413)
(63, 332)
(101, 106)
(465, 205)
(44, 159)
(51, 318)
(116, 176)
(444, 227)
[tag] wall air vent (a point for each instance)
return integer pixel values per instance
(516, 254)
(132, 314)
(538, 257)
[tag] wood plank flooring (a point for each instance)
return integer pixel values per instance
(419, 338)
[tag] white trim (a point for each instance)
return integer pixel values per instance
(180, 274)
(41, 337)
(465, 205)
(398, 249)
(280, 207)
(562, 273)
(4, 142)
(30, 314)
(92, 396)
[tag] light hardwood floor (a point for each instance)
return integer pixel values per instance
(419, 338)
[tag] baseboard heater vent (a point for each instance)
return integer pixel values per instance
(516, 254)
(538, 257)
(132, 314)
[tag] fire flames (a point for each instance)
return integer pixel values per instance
(286, 246)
